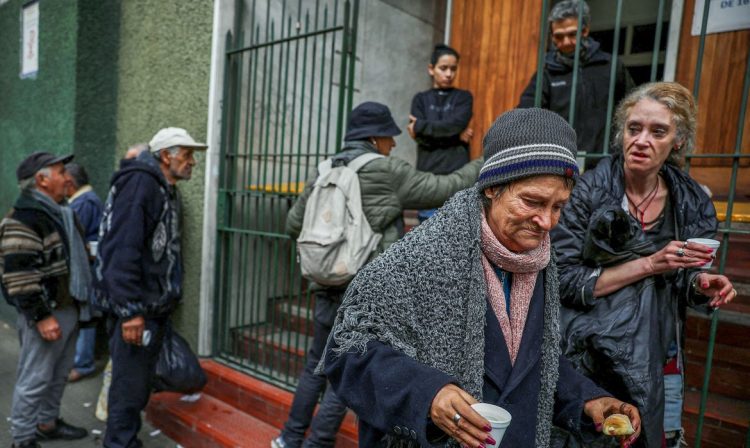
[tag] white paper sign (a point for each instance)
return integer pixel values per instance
(723, 15)
(30, 40)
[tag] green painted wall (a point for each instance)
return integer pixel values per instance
(36, 114)
(164, 62)
(96, 89)
(70, 105)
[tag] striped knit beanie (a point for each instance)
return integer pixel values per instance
(527, 142)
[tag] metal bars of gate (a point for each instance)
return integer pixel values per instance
(288, 86)
(727, 228)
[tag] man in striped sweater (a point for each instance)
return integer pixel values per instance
(35, 264)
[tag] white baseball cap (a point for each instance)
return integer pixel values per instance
(169, 137)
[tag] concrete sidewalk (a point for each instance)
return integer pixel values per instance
(78, 406)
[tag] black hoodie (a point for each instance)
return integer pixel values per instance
(138, 269)
(591, 94)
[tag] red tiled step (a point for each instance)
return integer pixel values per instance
(738, 258)
(727, 410)
(741, 303)
(696, 349)
(207, 423)
(732, 328)
(727, 380)
(271, 347)
(262, 400)
(731, 353)
(293, 315)
(725, 424)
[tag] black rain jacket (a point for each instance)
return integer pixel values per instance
(620, 340)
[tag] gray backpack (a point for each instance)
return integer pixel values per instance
(336, 240)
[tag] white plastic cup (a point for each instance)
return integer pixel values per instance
(713, 244)
(146, 338)
(93, 247)
(498, 417)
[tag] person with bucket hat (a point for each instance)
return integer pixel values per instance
(465, 310)
(45, 276)
(388, 185)
(138, 271)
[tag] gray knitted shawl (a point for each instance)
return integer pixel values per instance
(426, 297)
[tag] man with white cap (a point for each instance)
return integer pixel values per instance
(138, 271)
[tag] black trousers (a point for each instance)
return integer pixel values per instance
(132, 376)
(325, 425)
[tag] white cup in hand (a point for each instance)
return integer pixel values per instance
(713, 244)
(498, 417)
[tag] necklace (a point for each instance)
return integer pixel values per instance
(647, 200)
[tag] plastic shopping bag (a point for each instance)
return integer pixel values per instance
(177, 368)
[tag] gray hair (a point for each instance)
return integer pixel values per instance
(173, 151)
(569, 9)
(30, 182)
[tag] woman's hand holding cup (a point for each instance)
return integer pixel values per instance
(451, 411)
(680, 254)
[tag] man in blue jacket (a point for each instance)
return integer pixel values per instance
(88, 209)
(138, 271)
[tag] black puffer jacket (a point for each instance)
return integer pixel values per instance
(591, 94)
(620, 340)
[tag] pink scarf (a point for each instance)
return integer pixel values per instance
(525, 267)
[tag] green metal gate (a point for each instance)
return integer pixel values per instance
(287, 91)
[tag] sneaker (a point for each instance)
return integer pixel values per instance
(278, 442)
(29, 443)
(675, 439)
(62, 431)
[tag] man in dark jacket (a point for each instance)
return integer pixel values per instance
(592, 90)
(88, 209)
(139, 271)
(39, 279)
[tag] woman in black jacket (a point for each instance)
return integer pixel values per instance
(627, 271)
(439, 119)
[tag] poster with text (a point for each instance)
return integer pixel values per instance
(30, 40)
(723, 15)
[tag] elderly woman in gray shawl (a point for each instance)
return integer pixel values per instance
(465, 308)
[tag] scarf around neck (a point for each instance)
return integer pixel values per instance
(525, 266)
(435, 313)
(79, 285)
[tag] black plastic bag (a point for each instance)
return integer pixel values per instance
(177, 368)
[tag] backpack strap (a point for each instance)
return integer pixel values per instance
(355, 164)
(363, 160)
(324, 167)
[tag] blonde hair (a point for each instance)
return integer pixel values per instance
(674, 97)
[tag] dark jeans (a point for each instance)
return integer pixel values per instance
(327, 421)
(132, 373)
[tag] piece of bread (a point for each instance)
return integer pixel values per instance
(617, 425)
